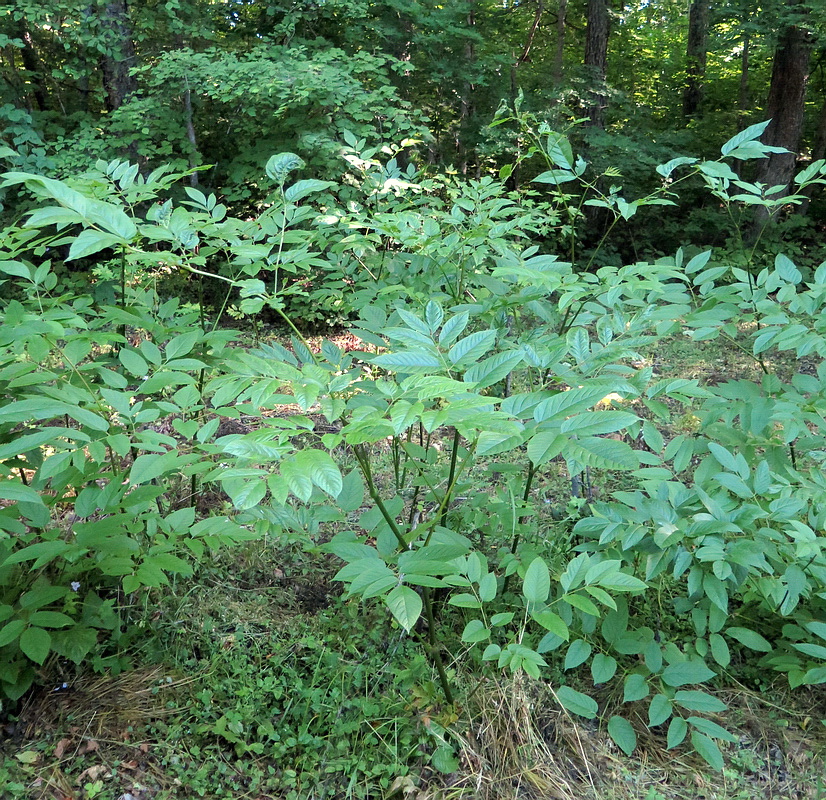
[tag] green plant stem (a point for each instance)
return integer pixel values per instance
(433, 645)
(746, 351)
(451, 477)
(297, 333)
(364, 464)
(525, 495)
(122, 298)
(449, 492)
(281, 238)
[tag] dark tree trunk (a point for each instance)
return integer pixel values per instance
(526, 50)
(190, 133)
(695, 57)
(596, 56)
(468, 90)
(787, 94)
(31, 63)
(560, 41)
(119, 54)
(743, 94)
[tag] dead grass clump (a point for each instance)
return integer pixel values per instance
(99, 706)
(520, 744)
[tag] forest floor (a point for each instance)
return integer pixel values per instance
(255, 679)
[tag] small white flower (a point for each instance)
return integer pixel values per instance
(75, 585)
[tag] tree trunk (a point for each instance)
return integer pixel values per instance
(743, 94)
(560, 41)
(596, 57)
(468, 89)
(119, 54)
(695, 57)
(190, 133)
(787, 94)
(31, 63)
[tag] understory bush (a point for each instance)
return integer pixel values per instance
(486, 368)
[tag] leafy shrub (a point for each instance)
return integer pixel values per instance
(491, 360)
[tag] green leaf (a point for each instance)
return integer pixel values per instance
(723, 456)
(453, 328)
(715, 590)
(597, 423)
(297, 478)
(552, 622)
(577, 702)
(719, 650)
(433, 315)
(245, 494)
(622, 732)
(545, 446)
(351, 496)
(813, 650)
(301, 189)
(817, 628)
(405, 605)
(465, 600)
(444, 760)
(487, 588)
(475, 631)
(280, 165)
(10, 631)
(699, 701)
(181, 345)
(749, 134)
(133, 362)
(712, 729)
(582, 603)
(622, 582)
(635, 688)
(40, 552)
(50, 619)
(708, 749)
(90, 242)
(578, 344)
(407, 359)
(752, 640)
(493, 369)
(537, 584)
(148, 467)
(578, 652)
(74, 644)
(676, 732)
(15, 268)
(472, 347)
(35, 644)
(659, 710)
(686, 672)
(18, 492)
(591, 451)
(564, 404)
(321, 469)
(603, 668)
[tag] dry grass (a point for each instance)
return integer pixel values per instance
(519, 744)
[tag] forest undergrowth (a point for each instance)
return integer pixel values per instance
(532, 524)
